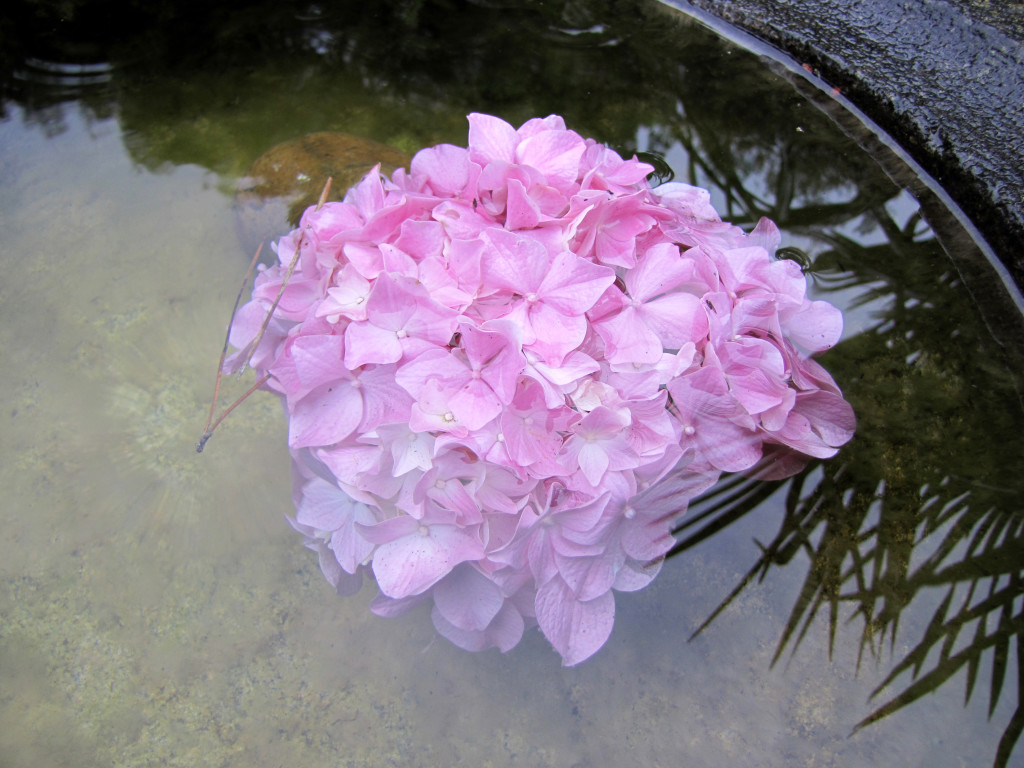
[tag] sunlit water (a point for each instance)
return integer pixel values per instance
(156, 609)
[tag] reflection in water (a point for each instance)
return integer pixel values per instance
(927, 497)
(913, 531)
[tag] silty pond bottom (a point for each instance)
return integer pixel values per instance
(156, 608)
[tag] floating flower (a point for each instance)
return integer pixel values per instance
(509, 369)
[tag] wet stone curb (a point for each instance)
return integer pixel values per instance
(944, 78)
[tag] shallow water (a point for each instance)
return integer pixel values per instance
(156, 609)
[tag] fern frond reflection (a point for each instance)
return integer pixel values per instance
(925, 497)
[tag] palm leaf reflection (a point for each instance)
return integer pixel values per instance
(926, 497)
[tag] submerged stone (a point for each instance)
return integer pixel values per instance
(288, 178)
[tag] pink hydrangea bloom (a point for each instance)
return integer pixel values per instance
(509, 369)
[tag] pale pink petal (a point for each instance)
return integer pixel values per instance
(349, 461)
(318, 360)
(503, 633)
(767, 235)
(325, 416)
(467, 599)
(628, 339)
(536, 125)
(474, 404)
(635, 575)
(415, 562)
(350, 549)
(323, 507)
(435, 366)
(576, 629)
(816, 326)
(398, 262)
(347, 297)
(368, 343)
(593, 461)
(384, 401)
(690, 200)
(409, 450)
(589, 577)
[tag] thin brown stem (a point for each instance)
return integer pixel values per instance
(284, 283)
(212, 425)
(209, 432)
(324, 193)
(227, 335)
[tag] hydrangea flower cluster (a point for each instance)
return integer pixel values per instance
(507, 370)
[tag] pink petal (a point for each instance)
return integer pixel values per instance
(413, 563)
(628, 339)
(318, 360)
(421, 239)
(347, 297)
(367, 343)
(513, 262)
(504, 632)
(384, 401)
(435, 366)
(491, 138)
(658, 271)
(349, 461)
(676, 318)
(475, 404)
(520, 211)
(556, 154)
(766, 234)
(468, 599)
(555, 335)
(816, 326)
(445, 166)
(636, 575)
(593, 462)
(350, 549)
(575, 628)
(589, 577)
(323, 507)
(693, 201)
(325, 416)
(573, 285)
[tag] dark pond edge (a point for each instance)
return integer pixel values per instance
(993, 279)
(946, 82)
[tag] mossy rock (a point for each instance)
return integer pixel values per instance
(289, 177)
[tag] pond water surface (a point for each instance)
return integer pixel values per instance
(155, 607)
